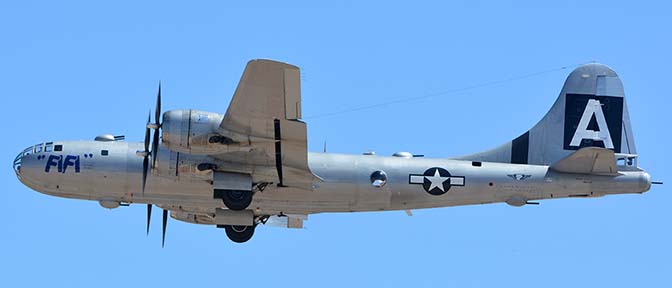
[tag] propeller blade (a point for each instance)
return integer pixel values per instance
(155, 140)
(147, 132)
(155, 147)
(145, 167)
(145, 160)
(149, 216)
(165, 221)
(157, 113)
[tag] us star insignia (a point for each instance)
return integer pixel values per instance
(436, 180)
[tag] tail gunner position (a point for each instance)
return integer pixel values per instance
(250, 165)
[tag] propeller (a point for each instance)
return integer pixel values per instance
(145, 169)
(165, 222)
(154, 152)
(155, 149)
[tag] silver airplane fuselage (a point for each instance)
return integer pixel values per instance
(342, 184)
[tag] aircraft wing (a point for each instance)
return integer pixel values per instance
(264, 116)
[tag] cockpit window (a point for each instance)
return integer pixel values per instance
(48, 147)
(58, 148)
(104, 152)
(38, 148)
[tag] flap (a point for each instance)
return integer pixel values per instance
(588, 160)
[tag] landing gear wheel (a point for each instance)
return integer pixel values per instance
(236, 199)
(239, 234)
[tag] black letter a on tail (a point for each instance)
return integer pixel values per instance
(593, 121)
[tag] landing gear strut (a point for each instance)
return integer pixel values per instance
(239, 234)
(235, 199)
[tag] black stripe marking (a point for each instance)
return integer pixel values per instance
(177, 165)
(519, 149)
(189, 129)
(278, 151)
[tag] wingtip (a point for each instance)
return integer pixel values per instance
(271, 62)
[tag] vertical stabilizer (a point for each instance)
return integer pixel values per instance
(590, 112)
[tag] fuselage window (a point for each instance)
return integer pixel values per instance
(58, 148)
(104, 152)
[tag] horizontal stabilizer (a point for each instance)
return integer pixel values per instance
(588, 160)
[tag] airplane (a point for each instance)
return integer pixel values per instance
(250, 166)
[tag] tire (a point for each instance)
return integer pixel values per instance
(239, 234)
(236, 199)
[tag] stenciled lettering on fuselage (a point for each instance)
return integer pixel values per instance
(436, 180)
(593, 121)
(62, 163)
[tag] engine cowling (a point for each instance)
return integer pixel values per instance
(191, 131)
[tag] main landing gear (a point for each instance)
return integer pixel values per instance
(235, 189)
(239, 234)
(235, 199)
(238, 225)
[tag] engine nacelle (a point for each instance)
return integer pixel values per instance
(192, 131)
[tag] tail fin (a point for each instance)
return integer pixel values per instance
(590, 112)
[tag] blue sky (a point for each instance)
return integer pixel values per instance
(78, 69)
